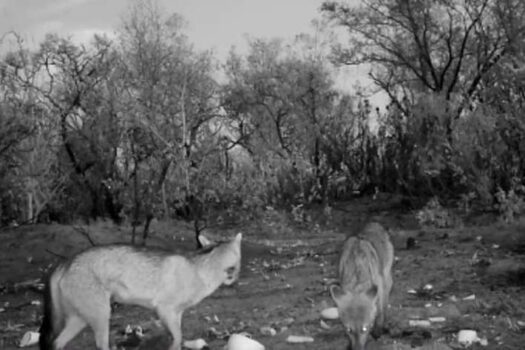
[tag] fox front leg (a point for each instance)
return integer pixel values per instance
(379, 323)
(172, 321)
(380, 327)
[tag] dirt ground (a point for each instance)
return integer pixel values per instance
(472, 276)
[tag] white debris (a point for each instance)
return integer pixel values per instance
(467, 337)
(483, 341)
(29, 339)
(324, 325)
(428, 287)
(299, 339)
(196, 344)
(419, 323)
(269, 331)
(242, 342)
(330, 313)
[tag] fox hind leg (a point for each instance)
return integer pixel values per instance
(99, 323)
(73, 325)
(172, 320)
(102, 335)
(96, 313)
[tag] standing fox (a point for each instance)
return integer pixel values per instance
(365, 273)
(79, 291)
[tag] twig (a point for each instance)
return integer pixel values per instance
(84, 232)
(56, 254)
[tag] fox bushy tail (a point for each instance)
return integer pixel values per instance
(52, 313)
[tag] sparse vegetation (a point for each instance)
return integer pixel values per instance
(137, 127)
(138, 130)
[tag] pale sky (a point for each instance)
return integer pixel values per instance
(212, 24)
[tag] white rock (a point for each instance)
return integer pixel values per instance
(299, 339)
(467, 337)
(330, 313)
(324, 325)
(242, 342)
(419, 323)
(268, 331)
(29, 339)
(195, 344)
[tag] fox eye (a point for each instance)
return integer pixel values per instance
(230, 270)
(349, 330)
(365, 328)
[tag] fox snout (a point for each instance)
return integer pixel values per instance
(230, 282)
(232, 275)
(358, 341)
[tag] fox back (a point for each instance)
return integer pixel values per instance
(365, 276)
(79, 291)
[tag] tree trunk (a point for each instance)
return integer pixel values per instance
(30, 207)
(145, 233)
(136, 202)
(164, 201)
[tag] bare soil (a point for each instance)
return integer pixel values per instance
(474, 278)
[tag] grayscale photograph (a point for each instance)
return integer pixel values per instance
(262, 174)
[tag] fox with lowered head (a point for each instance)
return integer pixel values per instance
(365, 276)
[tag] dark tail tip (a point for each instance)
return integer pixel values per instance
(45, 341)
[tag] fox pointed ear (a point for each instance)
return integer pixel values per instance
(205, 241)
(372, 291)
(337, 292)
(238, 237)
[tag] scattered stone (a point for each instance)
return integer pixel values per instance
(295, 339)
(428, 287)
(467, 337)
(268, 331)
(242, 342)
(330, 313)
(196, 344)
(29, 339)
(419, 323)
(324, 325)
